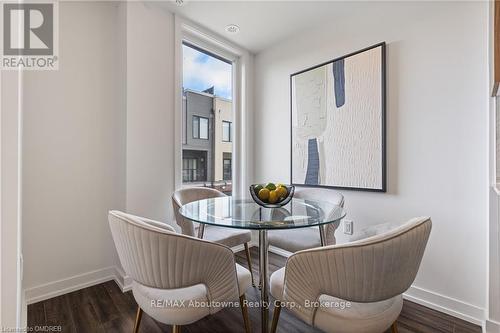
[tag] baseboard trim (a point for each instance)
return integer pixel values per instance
(239, 248)
(280, 252)
(492, 326)
(448, 305)
(122, 280)
(73, 283)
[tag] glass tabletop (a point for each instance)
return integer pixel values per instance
(246, 214)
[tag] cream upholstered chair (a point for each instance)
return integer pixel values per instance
(226, 236)
(293, 240)
(354, 287)
(177, 279)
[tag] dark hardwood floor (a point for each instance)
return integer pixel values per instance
(104, 308)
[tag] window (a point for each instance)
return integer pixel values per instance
(200, 127)
(196, 127)
(204, 71)
(207, 115)
(227, 170)
(189, 169)
(193, 169)
(226, 131)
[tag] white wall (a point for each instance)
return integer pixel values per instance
(437, 139)
(493, 323)
(150, 111)
(10, 179)
(98, 135)
(74, 149)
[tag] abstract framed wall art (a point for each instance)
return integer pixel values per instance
(338, 122)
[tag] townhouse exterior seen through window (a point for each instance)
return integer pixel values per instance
(207, 119)
(207, 140)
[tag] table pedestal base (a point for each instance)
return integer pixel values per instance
(264, 280)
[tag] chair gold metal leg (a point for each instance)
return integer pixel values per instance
(394, 327)
(247, 252)
(276, 317)
(137, 319)
(244, 312)
(176, 329)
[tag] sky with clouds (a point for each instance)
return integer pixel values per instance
(201, 71)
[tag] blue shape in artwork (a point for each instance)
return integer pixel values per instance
(312, 174)
(339, 82)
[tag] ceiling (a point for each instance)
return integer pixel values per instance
(262, 23)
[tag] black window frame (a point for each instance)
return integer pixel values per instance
(230, 131)
(196, 174)
(230, 169)
(199, 127)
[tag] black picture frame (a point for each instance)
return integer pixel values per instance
(383, 188)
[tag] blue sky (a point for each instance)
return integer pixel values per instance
(201, 71)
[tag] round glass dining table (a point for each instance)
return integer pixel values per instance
(230, 212)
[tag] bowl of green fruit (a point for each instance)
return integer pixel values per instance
(271, 195)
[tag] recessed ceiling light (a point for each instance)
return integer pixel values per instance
(232, 29)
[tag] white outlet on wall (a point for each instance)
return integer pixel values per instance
(348, 227)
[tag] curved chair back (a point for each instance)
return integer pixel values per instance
(154, 255)
(323, 194)
(187, 195)
(320, 194)
(370, 270)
